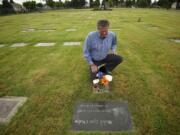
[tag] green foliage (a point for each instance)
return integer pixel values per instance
(6, 4)
(50, 3)
(40, 5)
(78, 3)
(142, 3)
(165, 3)
(30, 5)
(110, 2)
(58, 4)
(91, 3)
(129, 3)
(97, 3)
(67, 4)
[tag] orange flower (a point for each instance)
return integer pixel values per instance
(104, 81)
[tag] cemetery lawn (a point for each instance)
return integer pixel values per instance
(55, 78)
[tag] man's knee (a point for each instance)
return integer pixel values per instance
(118, 59)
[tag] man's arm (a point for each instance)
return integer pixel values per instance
(114, 44)
(86, 50)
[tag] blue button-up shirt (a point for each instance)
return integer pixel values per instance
(97, 48)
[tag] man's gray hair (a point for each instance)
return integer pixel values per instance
(103, 23)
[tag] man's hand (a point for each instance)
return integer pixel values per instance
(94, 68)
(113, 53)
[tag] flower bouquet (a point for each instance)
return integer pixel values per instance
(103, 78)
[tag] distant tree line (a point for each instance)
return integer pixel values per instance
(137, 3)
(28, 6)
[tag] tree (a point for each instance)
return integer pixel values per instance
(91, 3)
(11, 1)
(6, 7)
(96, 3)
(67, 4)
(167, 3)
(39, 5)
(178, 4)
(6, 4)
(58, 4)
(128, 3)
(121, 2)
(115, 2)
(78, 3)
(30, 5)
(110, 2)
(149, 2)
(50, 3)
(133, 2)
(142, 3)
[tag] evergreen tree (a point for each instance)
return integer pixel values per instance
(96, 3)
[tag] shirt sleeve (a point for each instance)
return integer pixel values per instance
(86, 50)
(114, 43)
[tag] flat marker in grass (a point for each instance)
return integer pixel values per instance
(177, 40)
(29, 30)
(44, 44)
(19, 44)
(72, 43)
(102, 116)
(38, 30)
(9, 106)
(49, 30)
(68, 30)
(1, 45)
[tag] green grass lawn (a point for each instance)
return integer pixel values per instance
(55, 78)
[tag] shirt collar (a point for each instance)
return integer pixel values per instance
(100, 35)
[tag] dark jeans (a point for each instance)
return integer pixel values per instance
(111, 62)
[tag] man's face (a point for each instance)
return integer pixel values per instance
(103, 31)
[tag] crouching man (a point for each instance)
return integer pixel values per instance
(96, 49)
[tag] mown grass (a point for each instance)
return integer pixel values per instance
(55, 78)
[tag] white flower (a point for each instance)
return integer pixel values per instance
(108, 77)
(95, 81)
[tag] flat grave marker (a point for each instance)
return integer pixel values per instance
(101, 116)
(19, 44)
(9, 106)
(44, 44)
(72, 43)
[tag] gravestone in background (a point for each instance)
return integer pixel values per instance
(1, 45)
(44, 44)
(72, 43)
(19, 44)
(9, 106)
(68, 30)
(177, 40)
